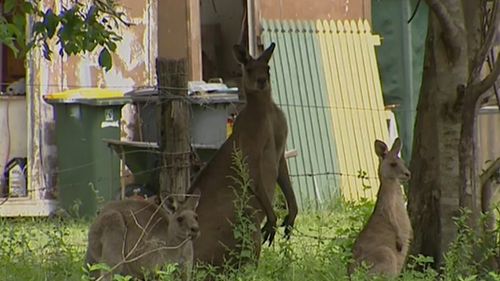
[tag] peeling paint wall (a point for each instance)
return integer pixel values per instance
(133, 63)
(133, 67)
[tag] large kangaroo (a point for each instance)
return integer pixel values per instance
(383, 243)
(260, 132)
(131, 236)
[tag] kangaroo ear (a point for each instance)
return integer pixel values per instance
(396, 146)
(380, 148)
(266, 55)
(192, 200)
(170, 204)
(241, 54)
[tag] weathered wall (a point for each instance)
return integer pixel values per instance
(172, 26)
(12, 129)
(133, 66)
(318, 9)
(179, 34)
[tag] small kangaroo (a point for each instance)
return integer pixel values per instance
(136, 236)
(260, 132)
(383, 243)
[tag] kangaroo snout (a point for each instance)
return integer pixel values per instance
(406, 176)
(194, 232)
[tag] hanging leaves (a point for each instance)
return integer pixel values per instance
(77, 29)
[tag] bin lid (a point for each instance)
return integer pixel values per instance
(228, 96)
(90, 96)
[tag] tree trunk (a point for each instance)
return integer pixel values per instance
(443, 163)
(174, 127)
(434, 196)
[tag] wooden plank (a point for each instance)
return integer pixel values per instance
(302, 98)
(371, 101)
(309, 93)
(294, 124)
(327, 33)
(337, 60)
(365, 145)
(296, 165)
(352, 98)
(328, 59)
(294, 85)
(194, 39)
(333, 87)
(322, 117)
(348, 120)
(373, 80)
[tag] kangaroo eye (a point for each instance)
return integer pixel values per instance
(196, 217)
(180, 219)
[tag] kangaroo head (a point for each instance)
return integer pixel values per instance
(391, 166)
(184, 219)
(256, 75)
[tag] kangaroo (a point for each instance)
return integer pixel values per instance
(136, 236)
(383, 243)
(260, 132)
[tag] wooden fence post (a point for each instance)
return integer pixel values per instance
(174, 124)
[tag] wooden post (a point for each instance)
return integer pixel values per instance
(174, 108)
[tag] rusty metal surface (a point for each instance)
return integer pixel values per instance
(318, 9)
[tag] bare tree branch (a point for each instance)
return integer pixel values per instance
(477, 89)
(127, 260)
(450, 29)
(486, 175)
(488, 41)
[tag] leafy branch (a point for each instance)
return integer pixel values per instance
(77, 28)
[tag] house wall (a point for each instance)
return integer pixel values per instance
(133, 66)
(312, 10)
(12, 129)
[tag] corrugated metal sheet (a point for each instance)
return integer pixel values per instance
(325, 78)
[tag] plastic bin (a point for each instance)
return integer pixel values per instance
(88, 171)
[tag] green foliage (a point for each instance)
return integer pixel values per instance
(43, 249)
(76, 29)
(469, 255)
(243, 227)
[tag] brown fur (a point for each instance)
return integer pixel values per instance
(383, 243)
(260, 132)
(128, 235)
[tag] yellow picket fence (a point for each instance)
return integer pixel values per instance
(355, 94)
(340, 58)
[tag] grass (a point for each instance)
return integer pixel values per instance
(53, 249)
(41, 249)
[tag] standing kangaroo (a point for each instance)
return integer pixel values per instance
(131, 236)
(260, 132)
(383, 243)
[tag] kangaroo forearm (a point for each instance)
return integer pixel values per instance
(265, 203)
(286, 187)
